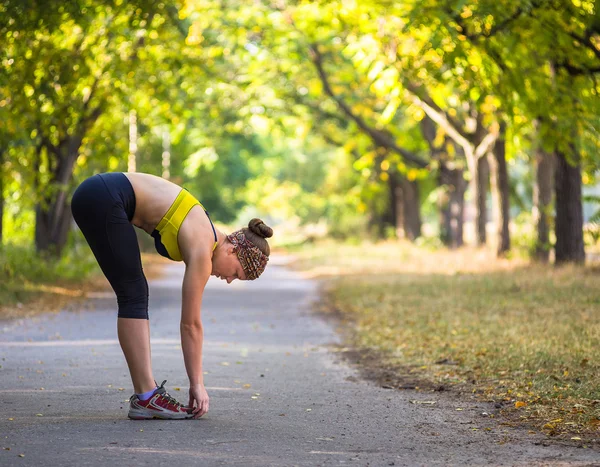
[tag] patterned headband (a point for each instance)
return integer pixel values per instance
(251, 258)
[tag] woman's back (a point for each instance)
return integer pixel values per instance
(153, 197)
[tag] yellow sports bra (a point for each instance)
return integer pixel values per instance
(165, 234)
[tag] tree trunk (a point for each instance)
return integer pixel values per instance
(52, 213)
(542, 202)
(411, 209)
(452, 205)
(394, 210)
(166, 154)
(500, 192)
(405, 207)
(569, 211)
(457, 208)
(376, 224)
(399, 210)
(133, 137)
(451, 202)
(481, 179)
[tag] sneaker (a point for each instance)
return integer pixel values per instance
(160, 405)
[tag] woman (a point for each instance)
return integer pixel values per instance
(105, 206)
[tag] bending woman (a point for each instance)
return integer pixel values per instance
(106, 207)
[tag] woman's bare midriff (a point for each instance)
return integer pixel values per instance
(153, 198)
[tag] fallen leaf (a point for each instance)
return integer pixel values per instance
(459, 410)
(309, 410)
(282, 415)
(121, 389)
(246, 386)
(520, 404)
(39, 415)
(21, 455)
(10, 419)
(141, 429)
(423, 402)
(7, 449)
(177, 389)
(225, 363)
(253, 397)
(576, 438)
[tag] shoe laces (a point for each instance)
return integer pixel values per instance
(163, 393)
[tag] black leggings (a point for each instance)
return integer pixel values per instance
(103, 206)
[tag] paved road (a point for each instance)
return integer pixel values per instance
(279, 396)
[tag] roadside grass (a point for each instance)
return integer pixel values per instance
(525, 336)
(31, 284)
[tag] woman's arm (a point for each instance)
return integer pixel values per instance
(196, 275)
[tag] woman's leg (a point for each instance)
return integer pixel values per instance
(134, 337)
(100, 213)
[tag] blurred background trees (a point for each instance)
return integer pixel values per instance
(438, 121)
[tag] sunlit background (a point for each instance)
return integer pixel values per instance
(442, 122)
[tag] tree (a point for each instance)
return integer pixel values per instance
(555, 45)
(69, 64)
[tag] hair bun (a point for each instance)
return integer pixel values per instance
(258, 227)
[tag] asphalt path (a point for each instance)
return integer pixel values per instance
(280, 394)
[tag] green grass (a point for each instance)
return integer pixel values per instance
(526, 335)
(25, 275)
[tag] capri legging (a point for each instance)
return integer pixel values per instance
(103, 206)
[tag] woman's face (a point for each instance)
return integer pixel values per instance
(226, 265)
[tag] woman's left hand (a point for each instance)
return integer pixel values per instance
(198, 400)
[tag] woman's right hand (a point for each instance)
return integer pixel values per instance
(198, 400)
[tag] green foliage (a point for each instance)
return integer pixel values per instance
(524, 236)
(22, 264)
(23, 270)
(296, 111)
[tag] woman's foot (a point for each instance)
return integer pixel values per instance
(160, 405)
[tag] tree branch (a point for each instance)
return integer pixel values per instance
(441, 119)
(587, 42)
(486, 144)
(378, 137)
(426, 98)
